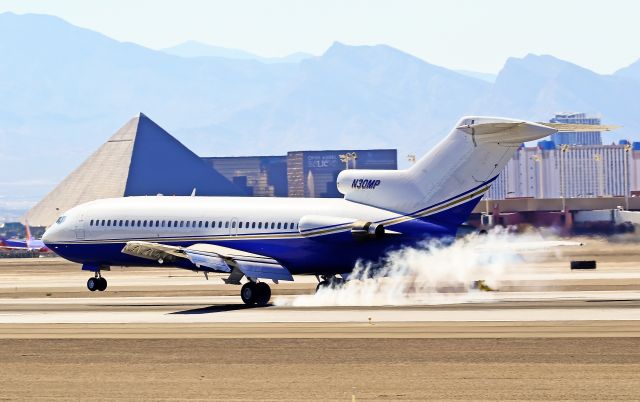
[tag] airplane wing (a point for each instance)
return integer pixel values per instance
(217, 258)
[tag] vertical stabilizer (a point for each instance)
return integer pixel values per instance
(446, 183)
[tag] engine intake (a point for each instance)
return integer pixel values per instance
(366, 230)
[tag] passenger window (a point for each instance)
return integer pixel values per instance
(206, 224)
(292, 225)
(126, 223)
(181, 223)
(109, 222)
(199, 224)
(226, 225)
(259, 225)
(273, 225)
(120, 223)
(279, 225)
(157, 224)
(240, 225)
(139, 223)
(194, 224)
(162, 223)
(175, 224)
(285, 225)
(188, 223)
(233, 225)
(220, 224)
(91, 223)
(253, 225)
(168, 224)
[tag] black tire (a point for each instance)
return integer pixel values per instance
(263, 294)
(93, 284)
(102, 284)
(249, 293)
(322, 285)
(337, 283)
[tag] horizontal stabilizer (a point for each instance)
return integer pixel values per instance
(567, 127)
(508, 132)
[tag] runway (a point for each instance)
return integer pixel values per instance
(546, 333)
(538, 294)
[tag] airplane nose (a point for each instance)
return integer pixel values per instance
(49, 236)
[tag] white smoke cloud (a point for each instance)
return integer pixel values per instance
(434, 273)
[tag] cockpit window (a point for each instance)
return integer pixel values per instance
(61, 219)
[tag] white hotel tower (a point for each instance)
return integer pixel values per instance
(566, 170)
(570, 171)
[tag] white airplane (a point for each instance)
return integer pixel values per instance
(275, 238)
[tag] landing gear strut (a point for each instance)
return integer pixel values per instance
(97, 283)
(255, 293)
(329, 282)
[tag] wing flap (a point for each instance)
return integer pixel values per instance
(207, 260)
(263, 270)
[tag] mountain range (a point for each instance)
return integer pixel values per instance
(66, 89)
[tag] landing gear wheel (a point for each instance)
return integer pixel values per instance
(249, 293)
(331, 283)
(93, 284)
(263, 294)
(322, 285)
(102, 284)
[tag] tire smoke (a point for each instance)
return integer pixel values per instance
(433, 273)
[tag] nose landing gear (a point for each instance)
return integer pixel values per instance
(97, 283)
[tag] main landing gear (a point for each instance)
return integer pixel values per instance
(329, 282)
(97, 283)
(255, 293)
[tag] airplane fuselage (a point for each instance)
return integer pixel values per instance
(96, 232)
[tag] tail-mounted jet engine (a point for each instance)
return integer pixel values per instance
(314, 225)
(367, 230)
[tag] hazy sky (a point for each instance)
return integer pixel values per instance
(461, 34)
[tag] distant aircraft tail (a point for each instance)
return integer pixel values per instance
(28, 231)
(446, 184)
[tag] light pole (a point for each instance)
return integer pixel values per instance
(349, 156)
(563, 150)
(538, 158)
(627, 148)
(598, 160)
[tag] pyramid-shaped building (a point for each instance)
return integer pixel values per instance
(139, 159)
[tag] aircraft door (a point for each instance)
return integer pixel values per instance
(233, 227)
(79, 229)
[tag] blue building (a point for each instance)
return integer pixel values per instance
(314, 173)
(576, 138)
(258, 176)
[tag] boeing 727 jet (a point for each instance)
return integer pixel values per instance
(275, 238)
